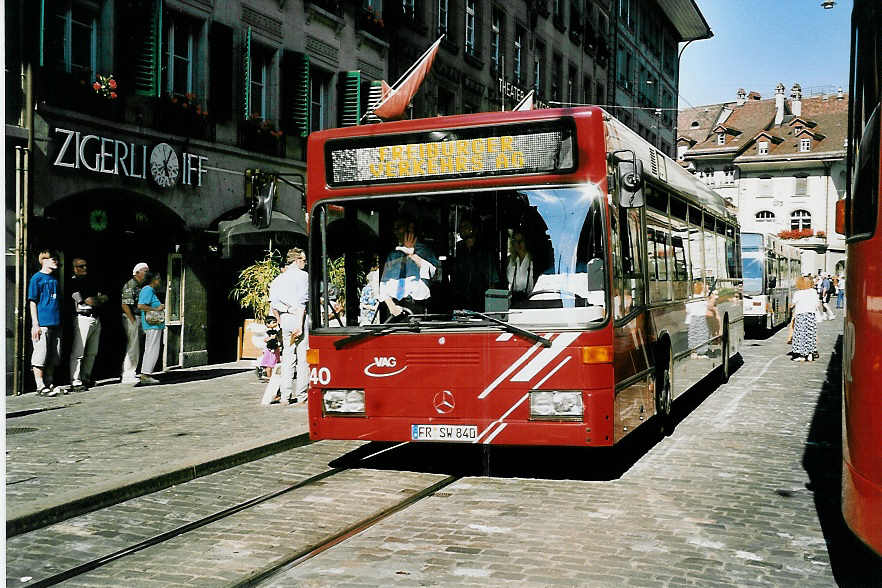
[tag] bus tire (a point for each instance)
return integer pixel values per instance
(664, 388)
(724, 344)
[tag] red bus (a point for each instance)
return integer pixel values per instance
(862, 365)
(567, 282)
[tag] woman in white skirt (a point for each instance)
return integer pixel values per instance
(805, 307)
(149, 301)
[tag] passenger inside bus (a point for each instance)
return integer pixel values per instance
(404, 284)
(475, 270)
(519, 270)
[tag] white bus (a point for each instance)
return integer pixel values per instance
(770, 270)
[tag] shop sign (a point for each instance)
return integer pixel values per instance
(111, 156)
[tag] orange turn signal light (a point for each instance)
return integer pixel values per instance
(597, 354)
(312, 356)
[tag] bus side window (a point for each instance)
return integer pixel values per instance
(614, 244)
(632, 260)
(710, 253)
(771, 269)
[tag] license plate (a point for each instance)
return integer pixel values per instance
(463, 433)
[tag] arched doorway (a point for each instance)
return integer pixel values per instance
(113, 230)
(239, 245)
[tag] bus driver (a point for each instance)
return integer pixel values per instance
(404, 284)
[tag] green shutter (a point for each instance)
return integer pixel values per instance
(148, 63)
(246, 70)
(300, 94)
(351, 110)
(42, 29)
(375, 94)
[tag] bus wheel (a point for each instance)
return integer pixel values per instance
(664, 390)
(724, 368)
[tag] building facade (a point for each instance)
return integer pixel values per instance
(780, 161)
(130, 123)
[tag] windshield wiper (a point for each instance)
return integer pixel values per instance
(508, 327)
(412, 325)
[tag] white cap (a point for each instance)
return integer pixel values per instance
(139, 267)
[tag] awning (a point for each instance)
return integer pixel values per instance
(240, 231)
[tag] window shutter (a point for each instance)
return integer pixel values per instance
(221, 72)
(299, 80)
(246, 71)
(375, 94)
(350, 113)
(148, 62)
(42, 30)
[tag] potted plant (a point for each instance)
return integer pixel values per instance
(259, 134)
(251, 292)
(183, 115)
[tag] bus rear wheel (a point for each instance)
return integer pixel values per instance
(664, 390)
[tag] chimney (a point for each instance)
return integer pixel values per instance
(779, 103)
(839, 94)
(742, 97)
(796, 100)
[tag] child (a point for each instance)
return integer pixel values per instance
(273, 344)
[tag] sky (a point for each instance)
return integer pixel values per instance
(758, 43)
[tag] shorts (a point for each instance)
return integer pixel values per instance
(47, 351)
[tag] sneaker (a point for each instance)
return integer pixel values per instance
(50, 391)
(148, 380)
(129, 381)
(799, 358)
(42, 391)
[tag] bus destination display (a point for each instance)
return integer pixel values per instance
(420, 158)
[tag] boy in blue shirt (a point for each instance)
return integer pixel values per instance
(45, 322)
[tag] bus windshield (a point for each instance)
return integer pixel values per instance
(752, 260)
(531, 257)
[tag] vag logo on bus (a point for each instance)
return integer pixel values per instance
(381, 366)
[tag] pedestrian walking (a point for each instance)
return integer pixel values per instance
(153, 323)
(45, 323)
(840, 291)
(289, 293)
(805, 306)
(86, 325)
(826, 291)
(131, 321)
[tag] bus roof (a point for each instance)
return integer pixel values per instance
(597, 131)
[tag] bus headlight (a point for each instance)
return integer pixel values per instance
(343, 402)
(556, 405)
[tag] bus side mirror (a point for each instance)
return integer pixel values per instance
(630, 174)
(260, 194)
(840, 217)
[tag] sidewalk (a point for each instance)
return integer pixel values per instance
(79, 452)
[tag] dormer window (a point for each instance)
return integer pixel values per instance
(805, 144)
(721, 138)
(695, 124)
(762, 147)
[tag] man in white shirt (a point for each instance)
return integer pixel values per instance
(289, 293)
(404, 285)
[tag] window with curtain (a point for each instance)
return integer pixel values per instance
(259, 82)
(765, 216)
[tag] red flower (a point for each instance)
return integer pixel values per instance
(113, 95)
(96, 86)
(112, 84)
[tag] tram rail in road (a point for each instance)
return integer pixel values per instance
(275, 567)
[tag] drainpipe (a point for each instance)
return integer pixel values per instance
(22, 210)
(827, 178)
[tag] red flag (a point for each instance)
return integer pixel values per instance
(395, 101)
(526, 102)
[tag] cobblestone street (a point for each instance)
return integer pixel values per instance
(744, 493)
